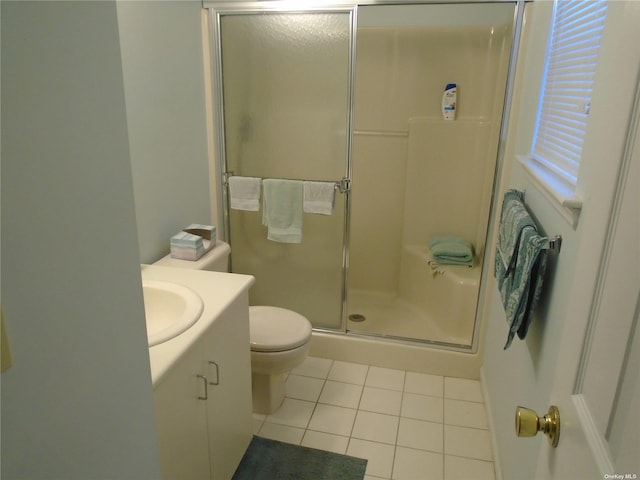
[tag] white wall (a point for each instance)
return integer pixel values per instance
(162, 62)
(77, 402)
(525, 374)
(517, 376)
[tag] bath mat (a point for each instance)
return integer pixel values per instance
(267, 459)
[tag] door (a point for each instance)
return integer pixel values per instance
(181, 420)
(228, 367)
(596, 386)
(284, 93)
(571, 357)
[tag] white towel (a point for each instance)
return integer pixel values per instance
(244, 193)
(319, 197)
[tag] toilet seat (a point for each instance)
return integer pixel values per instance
(275, 329)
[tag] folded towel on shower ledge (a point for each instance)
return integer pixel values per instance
(448, 250)
(438, 268)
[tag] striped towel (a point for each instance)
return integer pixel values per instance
(520, 265)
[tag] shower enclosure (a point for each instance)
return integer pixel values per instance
(351, 95)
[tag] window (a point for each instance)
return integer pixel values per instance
(570, 67)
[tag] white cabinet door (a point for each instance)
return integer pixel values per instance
(181, 420)
(228, 363)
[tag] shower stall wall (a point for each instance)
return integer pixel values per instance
(353, 96)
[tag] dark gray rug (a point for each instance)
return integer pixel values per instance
(267, 459)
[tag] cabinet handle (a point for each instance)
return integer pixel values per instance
(206, 392)
(217, 382)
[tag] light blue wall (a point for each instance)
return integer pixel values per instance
(162, 59)
(77, 402)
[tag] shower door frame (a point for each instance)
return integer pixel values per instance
(218, 9)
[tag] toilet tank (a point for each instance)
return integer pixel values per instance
(215, 260)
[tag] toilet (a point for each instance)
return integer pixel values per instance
(279, 338)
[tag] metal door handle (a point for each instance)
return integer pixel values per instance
(217, 381)
(528, 424)
(206, 391)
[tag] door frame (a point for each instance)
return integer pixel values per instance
(215, 12)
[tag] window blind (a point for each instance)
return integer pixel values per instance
(570, 67)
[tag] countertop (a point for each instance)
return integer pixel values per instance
(217, 290)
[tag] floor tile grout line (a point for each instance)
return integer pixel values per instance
(468, 458)
(423, 450)
(444, 418)
(357, 410)
(306, 429)
(466, 426)
(395, 448)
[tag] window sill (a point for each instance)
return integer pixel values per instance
(559, 194)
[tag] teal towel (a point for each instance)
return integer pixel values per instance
(282, 210)
(449, 250)
(514, 218)
(520, 279)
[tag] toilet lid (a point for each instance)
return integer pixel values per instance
(274, 329)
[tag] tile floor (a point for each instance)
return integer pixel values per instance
(409, 426)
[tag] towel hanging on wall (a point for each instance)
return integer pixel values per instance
(513, 219)
(520, 264)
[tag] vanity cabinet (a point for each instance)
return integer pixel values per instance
(181, 420)
(229, 406)
(203, 403)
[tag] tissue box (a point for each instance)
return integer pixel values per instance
(207, 232)
(186, 246)
(193, 242)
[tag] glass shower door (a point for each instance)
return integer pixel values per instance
(437, 175)
(286, 104)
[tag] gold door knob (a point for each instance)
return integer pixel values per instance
(528, 424)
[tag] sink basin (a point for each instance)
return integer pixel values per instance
(170, 309)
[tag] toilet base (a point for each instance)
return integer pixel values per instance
(268, 392)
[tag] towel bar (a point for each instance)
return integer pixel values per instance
(343, 185)
(555, 243)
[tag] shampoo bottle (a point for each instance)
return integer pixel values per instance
(449, 102)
